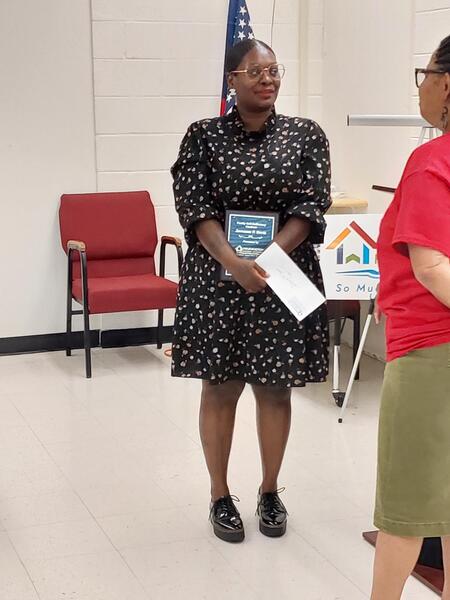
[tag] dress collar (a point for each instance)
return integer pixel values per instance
(234, 118)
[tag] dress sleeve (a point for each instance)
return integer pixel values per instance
(314, 199)
(424, 214)
(193, 198)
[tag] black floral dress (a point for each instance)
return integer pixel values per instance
(222, 333)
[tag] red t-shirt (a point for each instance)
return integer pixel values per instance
(419, 214)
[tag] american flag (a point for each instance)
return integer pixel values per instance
(238, 29)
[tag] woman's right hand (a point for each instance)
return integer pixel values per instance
(377, 313)
(248, 274)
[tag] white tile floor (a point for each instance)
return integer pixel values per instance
(104, 492)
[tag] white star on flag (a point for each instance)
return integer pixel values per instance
(243, 10)
(251, 36)
(241, 35)
(242, 23)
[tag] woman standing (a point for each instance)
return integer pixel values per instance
(413, 489)
(237, 332)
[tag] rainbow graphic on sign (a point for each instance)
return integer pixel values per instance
(366, 256)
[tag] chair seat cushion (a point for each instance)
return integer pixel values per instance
(127, 293)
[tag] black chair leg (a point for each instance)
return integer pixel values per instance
(87, 328)
(69, 323)
(69, 306)
(356, 338)
(87, 342)
(159, 329)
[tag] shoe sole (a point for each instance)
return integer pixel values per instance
(273, 532)
(233, 537)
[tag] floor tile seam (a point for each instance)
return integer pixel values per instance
(53, 461)
(329, 562)
(117, 551)
(24, 566)
(350, 499)
(170, 420)
(127, 564)
(238, 574)
(46, 524)
(154, 545)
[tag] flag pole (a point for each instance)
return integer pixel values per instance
(232, 9)
(273, 22)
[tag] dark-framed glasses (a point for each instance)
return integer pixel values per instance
(421, 74)
(275, 71)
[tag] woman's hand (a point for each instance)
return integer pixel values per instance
(248, 274)
(377, 313)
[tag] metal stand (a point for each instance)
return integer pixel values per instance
(337, 394)
(339, 315)
(431, 134)
(346, 395)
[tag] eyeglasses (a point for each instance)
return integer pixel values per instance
(422, 73)
(274, 71)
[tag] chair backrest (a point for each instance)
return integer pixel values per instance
(118, 228)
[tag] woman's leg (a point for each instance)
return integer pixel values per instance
(217, 415)
(395, 559)
(273, 415)
(446, 560)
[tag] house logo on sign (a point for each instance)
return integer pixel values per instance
(356, 253)
(349, 258)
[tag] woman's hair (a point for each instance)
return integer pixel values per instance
(237, 52)
(443, 55)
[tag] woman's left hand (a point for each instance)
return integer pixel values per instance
(377, 313)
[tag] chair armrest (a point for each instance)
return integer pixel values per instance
(168, 240)
(80, 248)
(76, 245)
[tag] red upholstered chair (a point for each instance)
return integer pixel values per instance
(110, 240)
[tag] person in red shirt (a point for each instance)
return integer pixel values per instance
(413, 482)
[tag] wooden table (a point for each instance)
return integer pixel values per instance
(348, 205)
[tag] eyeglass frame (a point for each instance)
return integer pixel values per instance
(426, 72)
(262, 71)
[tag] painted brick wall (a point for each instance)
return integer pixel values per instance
(431, 25)
(158, 67)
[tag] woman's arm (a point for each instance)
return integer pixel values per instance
(432, 269)
(246, 272)
(212, 237)
(313, 200)
(294, 233)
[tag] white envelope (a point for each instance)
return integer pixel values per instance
(289, 282)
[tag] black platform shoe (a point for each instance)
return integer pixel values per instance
(226, 520)
(272, 514)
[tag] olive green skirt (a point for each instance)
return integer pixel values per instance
(413, 483)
